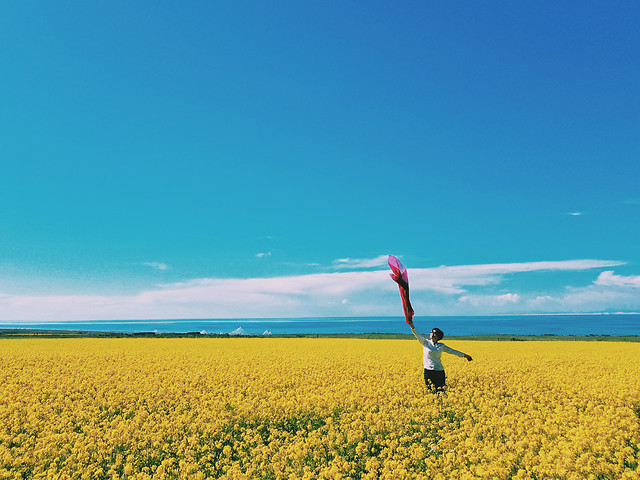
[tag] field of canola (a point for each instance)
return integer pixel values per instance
(269, 408)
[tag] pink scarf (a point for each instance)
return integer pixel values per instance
(400, 276)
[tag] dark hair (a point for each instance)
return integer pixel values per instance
(438, 332)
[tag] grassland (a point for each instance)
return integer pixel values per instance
(54, 333)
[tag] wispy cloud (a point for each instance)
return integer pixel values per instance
(356, 263)
(490, 300)
(585, 264)
(156, 265)
(575, 214)
(263, 254)
(445, 290)
(455, 279)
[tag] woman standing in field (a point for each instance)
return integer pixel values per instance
(432, 350)
(434, 376)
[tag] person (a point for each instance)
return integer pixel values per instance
(434, 377)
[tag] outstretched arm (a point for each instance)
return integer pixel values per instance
(456, 352)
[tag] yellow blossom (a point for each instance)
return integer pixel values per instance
(315, 408)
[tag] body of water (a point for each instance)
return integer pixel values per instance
(604, 324)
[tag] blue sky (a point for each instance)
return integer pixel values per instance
(232, 159)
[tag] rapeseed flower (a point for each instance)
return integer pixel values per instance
(270, 408)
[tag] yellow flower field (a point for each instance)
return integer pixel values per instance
(271, 408)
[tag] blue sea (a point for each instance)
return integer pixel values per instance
(602, 324)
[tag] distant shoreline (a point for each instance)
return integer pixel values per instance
(493, 327)
(9, 333)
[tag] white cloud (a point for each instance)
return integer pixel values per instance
(508, 298)
(156, 265)
(445, 290)
(294, 296)
(608, 293)
(453, 280)
(592, 299)
(542, 300)
(575, 214)
(608, 278)
(503, 268)
(263, 254)
(490, 300)
(355, 263)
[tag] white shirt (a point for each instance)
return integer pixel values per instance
(432, 352)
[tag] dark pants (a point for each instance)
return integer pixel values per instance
(434, 379)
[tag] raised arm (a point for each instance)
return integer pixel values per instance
(419, 337)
